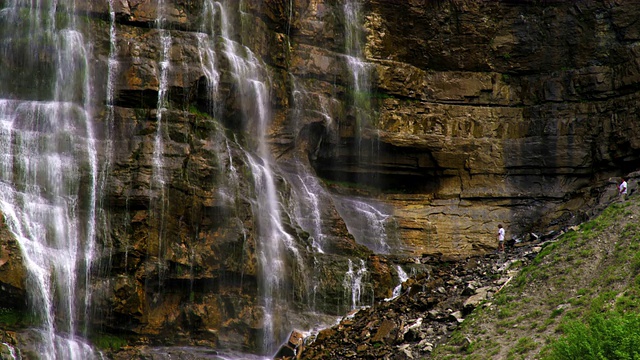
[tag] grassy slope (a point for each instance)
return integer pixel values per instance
(591, 270)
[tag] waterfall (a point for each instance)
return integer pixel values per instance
(207, 53)
(368, 222)
(52, 183)
(232, 177)
(310, 195)
(273, 240)
(354, 282)
(358, 68)
(402, 277)
(206, 50)
(274, 244)
(306, 209)
(158, 197)
(49, 168)
(112, 71)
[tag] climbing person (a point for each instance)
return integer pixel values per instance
(622, 189)
(500, 238)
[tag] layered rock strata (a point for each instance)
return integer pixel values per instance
(475, 113)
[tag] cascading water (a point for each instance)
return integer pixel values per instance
(358, 68)
(368, 222)
(274, 243)
(49, 172)
(158, 197)
(402, 277)
(113, 68)
(310, 195)
(354, 283)
(306, 209)
(207, 50)
(310, 200)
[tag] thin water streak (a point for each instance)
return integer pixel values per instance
(158, 197)
(354, 283)
(359, 69)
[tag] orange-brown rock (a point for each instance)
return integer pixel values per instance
(469, 114)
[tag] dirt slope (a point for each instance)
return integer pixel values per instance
(592, 268)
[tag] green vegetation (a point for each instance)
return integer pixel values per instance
(10, 317)
(109, 342)
(523, 346)
(605, 336)
(579, 298)
(14, 318)
(193, 109)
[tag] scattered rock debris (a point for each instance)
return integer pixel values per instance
(428, 309)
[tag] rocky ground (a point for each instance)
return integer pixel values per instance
(430, 307)
(510, 305)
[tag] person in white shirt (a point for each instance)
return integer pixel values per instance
(622, 189)
(500, 238)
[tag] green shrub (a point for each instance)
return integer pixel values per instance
(609, 336)
(109, 342)
(10, 317)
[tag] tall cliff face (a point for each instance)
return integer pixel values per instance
(224, 247)
(520, 110)
(523, 120)
(496, 112)
(438, 120)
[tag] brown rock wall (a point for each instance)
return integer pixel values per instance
(187, 251)
(481, 113)
(510, 105)
(476, 113)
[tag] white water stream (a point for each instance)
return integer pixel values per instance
(359, 69)
(402, 277)
(158, 197)
(108, 139)
(274, 245)
(49, 173)
(354, 284)
(367, 221)
(207, 49)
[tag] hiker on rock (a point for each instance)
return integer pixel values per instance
(500, 238)
(622, 189)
